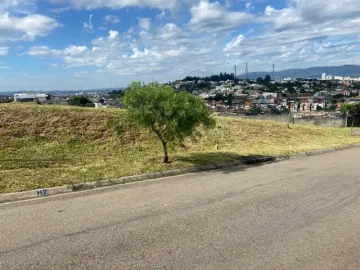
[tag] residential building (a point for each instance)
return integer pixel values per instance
(30, 97)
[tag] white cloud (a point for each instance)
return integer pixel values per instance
(212, 17)
(234, 44)
(18, 6)
(89, 25)
(249, 6)
(111, 19)
(118, 4)
(43, 51)
(170, 31)
(25, 28)
(4, 51)
(161, 15)
(61, 9)
(170, 51)
(75, 50)
(113, 34)
(144, 23)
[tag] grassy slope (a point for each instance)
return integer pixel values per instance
(44, 146)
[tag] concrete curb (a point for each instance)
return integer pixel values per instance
(46, 192)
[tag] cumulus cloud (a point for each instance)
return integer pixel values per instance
(170, 31)
(144, 23)
(118, 4)
(212, 17)
(290, 39)
(234, 44)
(25, 28)
(111, 19)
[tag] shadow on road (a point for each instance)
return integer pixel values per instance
(216, 158)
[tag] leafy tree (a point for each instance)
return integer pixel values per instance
(81, 101)
(285, 110)
(229, 99)
(267, 79)
(171, 115)
(332, 107)
(259, 80)
(319, 108)
(254, 111)
(351, 110)
(290, 88)
(275, 111)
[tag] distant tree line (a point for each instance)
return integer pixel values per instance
(215, 78)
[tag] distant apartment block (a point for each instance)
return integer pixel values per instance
(30, 97)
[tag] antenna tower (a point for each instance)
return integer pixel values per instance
(235, 73)
(273, 72)
(246, 71)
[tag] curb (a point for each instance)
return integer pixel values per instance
(46, 192)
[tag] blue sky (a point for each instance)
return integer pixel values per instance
(87, 44)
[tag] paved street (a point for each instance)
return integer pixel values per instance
(296, 214)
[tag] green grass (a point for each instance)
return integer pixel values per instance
(46, 146)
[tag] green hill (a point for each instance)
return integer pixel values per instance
(45, 146)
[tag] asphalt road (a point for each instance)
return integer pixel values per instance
(296, 214)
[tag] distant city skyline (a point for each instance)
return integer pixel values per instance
(75, 45)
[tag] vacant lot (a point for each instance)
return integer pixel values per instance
(45, 146)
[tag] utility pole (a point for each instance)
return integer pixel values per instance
(273, 72)
(247, 71)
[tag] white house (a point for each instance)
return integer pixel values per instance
(30, 96)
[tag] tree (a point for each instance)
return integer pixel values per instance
(229, 99)
(275, 111)
(254, 111)
(351, 110)
(267, 79)
(171, 115)
(80, 101)
(259, 80)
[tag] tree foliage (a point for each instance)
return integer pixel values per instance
(215, 78)
(351, 110)
(171, 115)
(80, 101)
(254, 111)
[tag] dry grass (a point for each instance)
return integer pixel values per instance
(45, 146)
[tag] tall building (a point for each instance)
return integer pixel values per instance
(323, 76)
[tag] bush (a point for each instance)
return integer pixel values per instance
(254, 111)
(80, 101)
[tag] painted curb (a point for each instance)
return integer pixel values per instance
(46, 192)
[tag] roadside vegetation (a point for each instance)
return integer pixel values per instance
(45, 146)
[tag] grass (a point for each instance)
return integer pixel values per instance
(46, 146)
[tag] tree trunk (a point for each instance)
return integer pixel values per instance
(166, 157)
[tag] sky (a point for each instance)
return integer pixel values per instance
(92, 44)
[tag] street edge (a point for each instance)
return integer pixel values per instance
(47, 192)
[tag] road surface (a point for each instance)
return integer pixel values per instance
(296, 214)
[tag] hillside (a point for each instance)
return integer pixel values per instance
(44, 146)
(313, 72)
